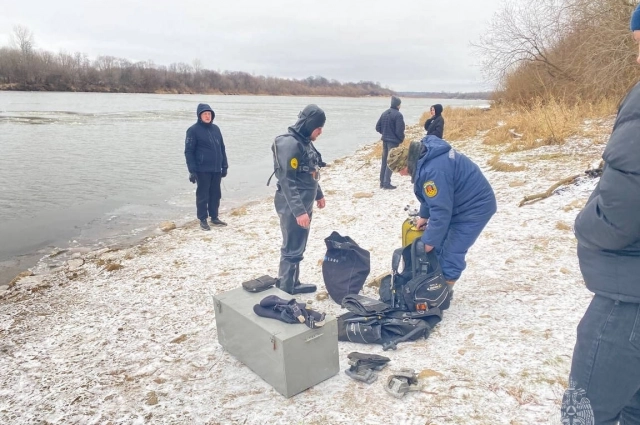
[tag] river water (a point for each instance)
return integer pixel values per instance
(82, 170)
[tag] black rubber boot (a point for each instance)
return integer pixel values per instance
(301, 288)
(286, 276)
(304, 288)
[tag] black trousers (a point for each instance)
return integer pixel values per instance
(385, 171)
(208, 195)
(605, 369)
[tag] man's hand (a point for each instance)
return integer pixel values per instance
(321, 203)
(224, 172)
(427, 248)
(421, 224)
(304, 220)
(193, 177)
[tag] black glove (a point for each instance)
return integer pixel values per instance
(193, 177)
(224, 172)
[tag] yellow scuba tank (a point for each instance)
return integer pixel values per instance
(409, 230)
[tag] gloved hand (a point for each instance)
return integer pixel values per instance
(224, 172)
(193, 177)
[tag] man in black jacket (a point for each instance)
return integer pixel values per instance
(207, 163)
(604, 385)
(296, 164)
(391, 127)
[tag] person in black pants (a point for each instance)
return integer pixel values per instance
(207, 163)
(391, 126)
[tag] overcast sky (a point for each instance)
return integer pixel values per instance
(406, 45)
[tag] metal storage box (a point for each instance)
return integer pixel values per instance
(290, 357)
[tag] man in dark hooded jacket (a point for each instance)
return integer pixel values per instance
(604, 383)
(456, 200)
(435, 124)
(296, 164)
(391, 126)
(207, 163)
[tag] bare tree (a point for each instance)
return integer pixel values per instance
(22, 38)
(197, 65)
(569, 49)
(524, 31)
(42, 70)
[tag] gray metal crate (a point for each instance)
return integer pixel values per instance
(290, 357)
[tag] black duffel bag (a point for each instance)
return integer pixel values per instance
(345, 267)
(371, 321)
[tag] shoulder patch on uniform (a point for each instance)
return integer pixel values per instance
(452, 154)
(430, 189)
(294, 163)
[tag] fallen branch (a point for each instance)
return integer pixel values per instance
(539, 196)
(593, 172)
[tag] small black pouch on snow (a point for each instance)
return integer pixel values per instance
(259, 284)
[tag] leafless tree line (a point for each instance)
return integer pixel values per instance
(448, 95)
(22, 67)
(573, 50)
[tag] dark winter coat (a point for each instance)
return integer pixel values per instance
(204, 147)
(435, 124)
(391, 125)
(608, 228)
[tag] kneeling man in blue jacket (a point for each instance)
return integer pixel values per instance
(456, 200)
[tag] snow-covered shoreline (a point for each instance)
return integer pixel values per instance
(129, 336)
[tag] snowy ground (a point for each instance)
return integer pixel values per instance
(138, 344)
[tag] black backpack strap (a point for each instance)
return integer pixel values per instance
(270, 177)
(432, 257)
(395, 260)
(423, 262)
(421, 328)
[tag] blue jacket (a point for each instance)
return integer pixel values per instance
(391, 126)
(608, 228)
(451, 190)
(204, 147)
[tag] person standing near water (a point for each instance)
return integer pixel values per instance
(207, 164)
(296, 164)
(435, 124)
(390, 125)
